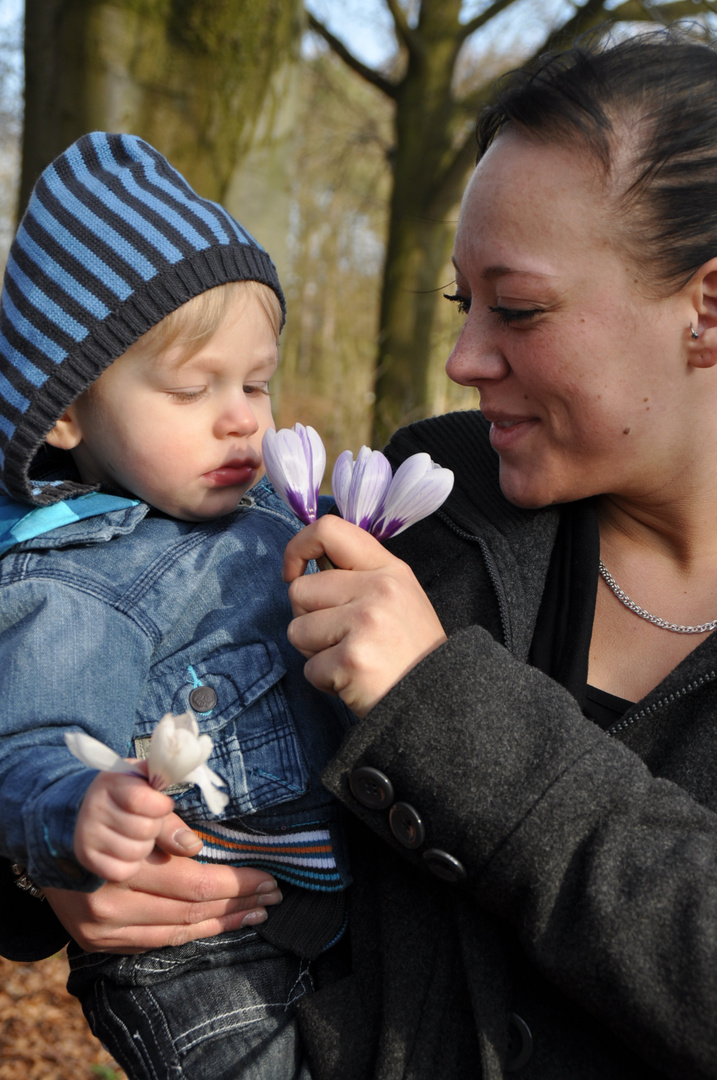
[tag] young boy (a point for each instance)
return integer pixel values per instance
(139, 330)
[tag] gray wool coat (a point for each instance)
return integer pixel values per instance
(583, 941)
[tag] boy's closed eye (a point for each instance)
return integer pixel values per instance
(188, 393)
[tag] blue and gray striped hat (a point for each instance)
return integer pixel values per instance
(113, 240)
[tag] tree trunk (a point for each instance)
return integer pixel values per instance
(200, 81)
(428, 125)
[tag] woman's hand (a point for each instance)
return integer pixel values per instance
(363, 625)
(170, 901)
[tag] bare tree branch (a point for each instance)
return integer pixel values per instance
(480, 20)
(585, 17)
(403, 30)
(639, 11)
(367, 73)
(630, 11)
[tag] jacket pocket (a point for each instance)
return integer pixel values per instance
(238, 699)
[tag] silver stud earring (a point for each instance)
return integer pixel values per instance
(693, 333)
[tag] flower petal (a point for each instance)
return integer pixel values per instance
(315, 456)
(95, 754)
(208, 783)
(295, 459)
(341, 480)
(284, 461)
(418, 488)
(370, 480)
(175, 749)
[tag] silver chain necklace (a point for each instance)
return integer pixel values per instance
(625, 599)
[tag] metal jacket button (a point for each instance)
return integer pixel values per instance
(203, 699)
(406, 825)
(371, 788)
(444, 865)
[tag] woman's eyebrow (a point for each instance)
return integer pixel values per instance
(501, 270)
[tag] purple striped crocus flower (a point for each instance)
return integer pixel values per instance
(369, 495)
(295, 459)
(359, 487)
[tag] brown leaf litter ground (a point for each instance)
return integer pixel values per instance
(43, 1034)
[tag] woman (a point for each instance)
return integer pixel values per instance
(536, 751)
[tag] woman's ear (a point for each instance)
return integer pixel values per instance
(66, 434)
(702, 331)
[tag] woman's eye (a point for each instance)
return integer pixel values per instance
(506, 316)
(464, 302)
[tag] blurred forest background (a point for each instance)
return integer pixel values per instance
(341, 133)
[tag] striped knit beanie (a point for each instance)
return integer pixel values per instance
(113, 240)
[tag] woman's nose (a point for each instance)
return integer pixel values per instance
(476, 356)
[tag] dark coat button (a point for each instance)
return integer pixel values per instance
(371, 788)
(520, 1044)
(406, 825)
(444, 865)
(203, 699)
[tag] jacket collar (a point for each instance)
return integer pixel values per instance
(20, 523)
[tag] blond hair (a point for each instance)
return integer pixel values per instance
(196, 321)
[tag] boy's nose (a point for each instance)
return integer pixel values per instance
(237, 418)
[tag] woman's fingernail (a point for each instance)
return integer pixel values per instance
(188, 840)
(272, 898)
(266, 886)
(252, 918)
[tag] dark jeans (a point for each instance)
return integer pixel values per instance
(218, 1008)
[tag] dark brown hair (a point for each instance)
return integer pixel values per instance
(645, 108)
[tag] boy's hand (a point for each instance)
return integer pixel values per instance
(172, 900)
(362, 626)
(120, 818)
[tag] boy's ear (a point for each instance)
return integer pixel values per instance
(66, 434)
(702, 350)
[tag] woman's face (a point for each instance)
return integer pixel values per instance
(578, 369)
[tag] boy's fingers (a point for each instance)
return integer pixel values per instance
(134, 796)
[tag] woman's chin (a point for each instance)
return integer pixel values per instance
(528, 493)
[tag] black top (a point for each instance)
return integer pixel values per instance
(561, 642)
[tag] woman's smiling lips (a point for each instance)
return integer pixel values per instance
(507, 431)
(238, 471)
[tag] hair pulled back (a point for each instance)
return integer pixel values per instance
(645, 108)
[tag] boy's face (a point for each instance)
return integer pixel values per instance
(184, 437)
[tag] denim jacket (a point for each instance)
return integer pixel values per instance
(107, 623)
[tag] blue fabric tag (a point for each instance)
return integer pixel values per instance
(18, 523)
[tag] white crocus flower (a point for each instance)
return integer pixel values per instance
(177, 755)
(360, 486)
(419, 486)
(295, 460)
(383, 503)
(366, 490)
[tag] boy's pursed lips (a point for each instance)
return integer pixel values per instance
(238, 470)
